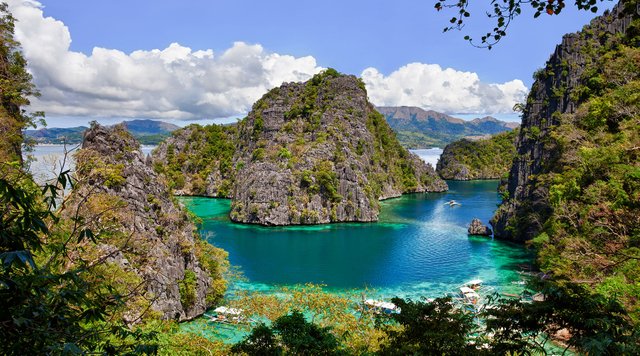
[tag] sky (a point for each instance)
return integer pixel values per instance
(186, 61)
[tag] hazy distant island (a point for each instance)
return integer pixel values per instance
(147, 132)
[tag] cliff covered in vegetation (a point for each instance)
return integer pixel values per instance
(198, 160)
(574, 186)
(308, 153)
(319, 152)
(148, 241)
(487, 158)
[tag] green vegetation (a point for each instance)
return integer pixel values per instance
(188, 289)
(488, 158)
(327, 180)
(307, 320)
(419, 140)
(428, 328)
(292, 333)
(15, 89)
(391, 156)
(584, 219)
(206, 153)
(49, 306)
(215, 261)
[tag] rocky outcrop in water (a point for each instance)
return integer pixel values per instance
(145, 237)
(487, 158)
(560, 87)
(478, 228)
(307, 153)
(319, 152)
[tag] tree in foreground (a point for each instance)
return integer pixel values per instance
(503, 12)
(591, 323)
(428, 328)
(48, 307)
(290, 334)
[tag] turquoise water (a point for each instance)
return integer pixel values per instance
(418, 248)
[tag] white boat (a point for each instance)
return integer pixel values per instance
(227, 315)
(382, 306)
(452, 203)
(469, 295)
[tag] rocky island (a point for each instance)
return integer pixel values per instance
(307, 153)
(486, 158)
(147, 240)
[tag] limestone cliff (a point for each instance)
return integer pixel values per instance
(319, 152)
(565, 82)
(308, 153)
(487, 158)
(145, 237)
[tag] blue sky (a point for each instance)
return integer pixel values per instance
(351, 36)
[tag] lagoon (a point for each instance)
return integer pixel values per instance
(418, 248)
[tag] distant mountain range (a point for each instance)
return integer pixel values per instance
(414, 127)
(418, 128)
(148, 132)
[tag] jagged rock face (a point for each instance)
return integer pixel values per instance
(555, 91)
(478, 228)
(139, 226)
(318, 152)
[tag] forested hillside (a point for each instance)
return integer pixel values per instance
(487, 158)
(574, 187)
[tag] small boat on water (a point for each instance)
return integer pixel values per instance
(452, 203)
(469, 295)
(227, 315)
(380, 306)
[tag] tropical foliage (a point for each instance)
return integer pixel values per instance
(197, 157)
(488, 158)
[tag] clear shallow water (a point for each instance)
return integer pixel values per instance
(418, 248)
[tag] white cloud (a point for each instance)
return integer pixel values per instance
(446, 90)
(180, 83)
(173, 83)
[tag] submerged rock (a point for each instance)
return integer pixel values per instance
(478, 228)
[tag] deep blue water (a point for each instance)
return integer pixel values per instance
(419, 246)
